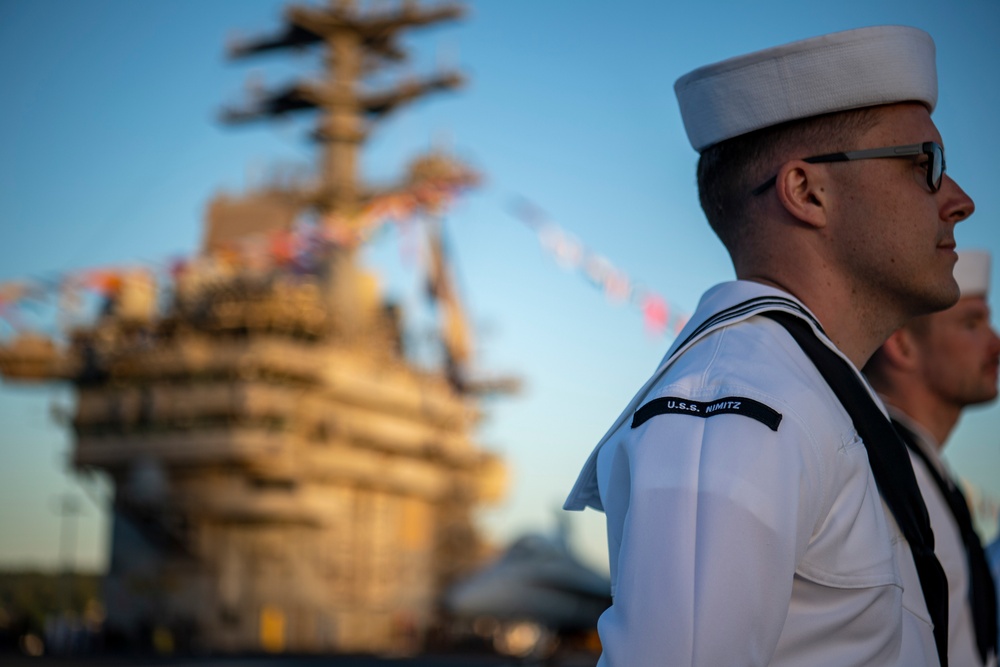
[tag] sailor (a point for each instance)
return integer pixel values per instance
(755, 533)
(927, 372)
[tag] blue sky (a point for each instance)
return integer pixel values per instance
(110, 150)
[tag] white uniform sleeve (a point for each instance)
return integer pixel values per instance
(714, 514)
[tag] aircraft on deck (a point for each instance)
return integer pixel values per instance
(536, 593)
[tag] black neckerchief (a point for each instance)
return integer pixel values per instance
(982, 593)
(890, 466)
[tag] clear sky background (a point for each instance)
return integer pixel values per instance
(110, 150)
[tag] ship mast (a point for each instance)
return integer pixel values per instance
(357, 44)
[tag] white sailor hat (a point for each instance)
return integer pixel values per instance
(836, 72)
(972, 272)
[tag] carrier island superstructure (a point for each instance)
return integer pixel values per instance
(285, 478)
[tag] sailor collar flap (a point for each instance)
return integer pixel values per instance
(585, 492)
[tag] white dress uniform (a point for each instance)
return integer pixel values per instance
(744, 523)
(962, 650)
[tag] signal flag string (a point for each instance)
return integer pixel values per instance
(296, 251)
(659, 316)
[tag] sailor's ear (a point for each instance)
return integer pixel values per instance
(900, 349)
(802, 189)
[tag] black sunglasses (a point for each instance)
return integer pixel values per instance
(933, 151)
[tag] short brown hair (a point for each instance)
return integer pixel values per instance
(731, 169)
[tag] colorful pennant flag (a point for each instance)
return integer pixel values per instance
(571, 254)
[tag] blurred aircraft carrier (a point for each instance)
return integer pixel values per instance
(287, 478)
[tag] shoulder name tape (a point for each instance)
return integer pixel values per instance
(730, 405)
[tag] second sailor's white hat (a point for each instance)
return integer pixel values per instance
(836, 72)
